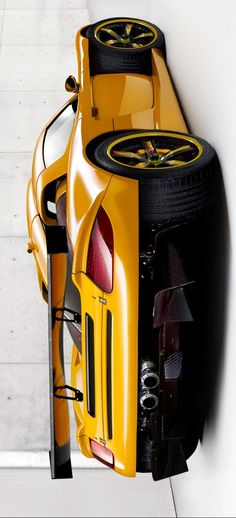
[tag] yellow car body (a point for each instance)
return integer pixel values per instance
(106, 103)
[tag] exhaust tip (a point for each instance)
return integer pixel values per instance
(149, 376)
(150, 380)
(148, 401)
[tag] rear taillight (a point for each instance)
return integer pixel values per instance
(102, 453)
(100, 252)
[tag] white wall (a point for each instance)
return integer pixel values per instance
(201, 46)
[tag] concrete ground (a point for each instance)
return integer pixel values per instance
(37, 54)
(30, 492)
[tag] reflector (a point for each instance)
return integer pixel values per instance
(102, 453)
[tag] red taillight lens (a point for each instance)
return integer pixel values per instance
(102, 453)
(100, 253)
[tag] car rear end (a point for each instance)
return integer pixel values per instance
(140, 313)
(110, 323)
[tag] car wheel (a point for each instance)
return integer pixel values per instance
(178, 174)
(123, 45)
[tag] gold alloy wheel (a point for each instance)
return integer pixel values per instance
(126, 34)
(149, 150)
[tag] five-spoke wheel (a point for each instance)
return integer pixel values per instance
(123, 45)
(178, 173)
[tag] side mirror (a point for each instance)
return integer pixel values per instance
(71, 85)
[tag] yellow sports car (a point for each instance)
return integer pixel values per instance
(116, 208)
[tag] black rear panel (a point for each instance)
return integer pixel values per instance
(171, 330)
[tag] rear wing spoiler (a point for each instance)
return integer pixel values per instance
(60, 453)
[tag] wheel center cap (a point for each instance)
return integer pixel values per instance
(153, 161)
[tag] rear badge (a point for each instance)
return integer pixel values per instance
(103, 301)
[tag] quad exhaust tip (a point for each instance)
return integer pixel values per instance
(149, 382)
(148, 400)
(149, 377)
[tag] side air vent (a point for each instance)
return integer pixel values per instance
(90, 365)
(109, 374)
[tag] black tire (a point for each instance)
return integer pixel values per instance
(105, 60)
(172, 194)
